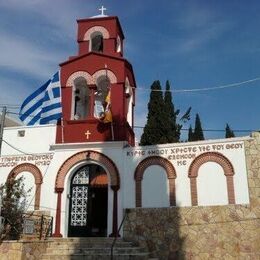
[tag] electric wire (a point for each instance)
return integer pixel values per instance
(237, 84)
(17, 149)
(231, 85)
(184, 129)
(45, 172)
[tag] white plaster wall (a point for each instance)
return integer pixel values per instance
(155, 188)
(232, 149)
(37, 139)
(211, 185)
(29, 187)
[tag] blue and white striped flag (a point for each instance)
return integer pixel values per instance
(44, 105)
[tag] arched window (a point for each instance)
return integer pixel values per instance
(129, 103)
(96, 42)
(81, 99)
(103, 84)
(118, 44)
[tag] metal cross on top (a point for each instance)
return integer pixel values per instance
(102, 9)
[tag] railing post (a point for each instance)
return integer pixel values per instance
(115, 238)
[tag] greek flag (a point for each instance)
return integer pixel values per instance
(44, 105)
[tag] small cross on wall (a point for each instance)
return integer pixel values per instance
(87, 134)
(102, 9)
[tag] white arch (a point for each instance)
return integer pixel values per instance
(100, 29)
(109, 73)
(77, 74)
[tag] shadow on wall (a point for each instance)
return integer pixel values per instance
(157, 229)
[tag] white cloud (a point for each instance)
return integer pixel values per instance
(59, 13)
(25, 56)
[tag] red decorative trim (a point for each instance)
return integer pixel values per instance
(84, 157)
(34, 170)
(139, 172)
(223, 162)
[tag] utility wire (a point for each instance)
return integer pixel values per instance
(238, 84)
(210, 130)
(45, 172)
(183, 129)
(231, 85)
(17, 149)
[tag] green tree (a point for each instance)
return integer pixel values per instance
(229, 132)
(173, 129)
(198, 132)
(154, 130)
(13, 197)
(190, 134)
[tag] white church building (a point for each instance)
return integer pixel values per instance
(85, 172)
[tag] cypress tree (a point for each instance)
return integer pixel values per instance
(190, 134)
(198, 132)
(172, 131)
(154, 130)
(229, 132)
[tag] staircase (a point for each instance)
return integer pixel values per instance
(94, 248)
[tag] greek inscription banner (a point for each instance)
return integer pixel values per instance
(37, 159)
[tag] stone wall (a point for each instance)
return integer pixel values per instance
(213, 232)
(22, 250)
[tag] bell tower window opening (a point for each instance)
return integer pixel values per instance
(129, 103)
(81, 99)
(96, 42)
(103, 85)
(118, 44)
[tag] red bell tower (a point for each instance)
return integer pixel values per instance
(98, 86)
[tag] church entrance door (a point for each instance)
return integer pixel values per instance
(88, 202)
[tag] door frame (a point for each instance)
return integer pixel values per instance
(89, 206)
(63, 174)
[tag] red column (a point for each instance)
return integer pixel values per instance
(230, 189)
(37, 196)
(58, 213)
(114, 220)
(172, 192)
(193, 189)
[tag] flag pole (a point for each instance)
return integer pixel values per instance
(112, 131)
(62, 130)
(2, 124)
(111, 123)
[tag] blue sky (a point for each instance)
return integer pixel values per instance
(194, 44)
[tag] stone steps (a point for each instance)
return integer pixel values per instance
(93, 249)
(141, 256)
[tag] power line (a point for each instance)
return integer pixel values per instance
(186, 129)
(10, 106)
(210, 130)
(237, 84)
(45, 172)
(231, 85)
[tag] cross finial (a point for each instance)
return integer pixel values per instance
(102, 9)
